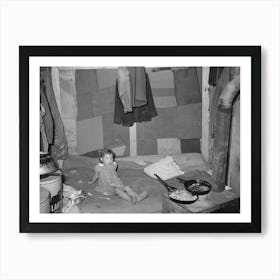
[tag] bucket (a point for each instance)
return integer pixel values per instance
(45, 198)
(53, 183)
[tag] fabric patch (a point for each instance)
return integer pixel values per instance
(147, 146)
(161, 79)
(190, 145)
(114, 134)
(85, 106)
(165, 101)
(106, 78)
(183, 122)
(161, 92)
(86, 81)
(188, 121)
(187, 89)
(104, 101)
(89, 135)
(169, 146)
(146, 130)
(166, 123)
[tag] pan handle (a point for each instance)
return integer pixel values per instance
(169, 188)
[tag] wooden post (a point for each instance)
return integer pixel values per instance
(133, 140)
(205, 113)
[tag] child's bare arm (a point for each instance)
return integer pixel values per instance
(115, 165)
(117, 185)
(96, 175)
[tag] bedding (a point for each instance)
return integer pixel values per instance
(165, 168)
(78, 170)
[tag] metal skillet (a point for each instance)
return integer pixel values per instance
(172, 192)
(196, 187)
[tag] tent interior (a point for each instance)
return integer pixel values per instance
(193, 121)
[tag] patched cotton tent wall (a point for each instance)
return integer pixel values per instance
(187, 109)
(86, 100)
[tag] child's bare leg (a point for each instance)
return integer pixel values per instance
(141, 196)
(130, 191)
(136, 197)
(121, 193)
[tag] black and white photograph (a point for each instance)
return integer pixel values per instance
(139, 139)
(142, 134)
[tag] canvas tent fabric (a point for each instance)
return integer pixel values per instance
(186, 84)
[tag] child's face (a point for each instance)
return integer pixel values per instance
(107, 159)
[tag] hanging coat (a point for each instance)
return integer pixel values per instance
(137, 76)
(139, 114)
(58, 145)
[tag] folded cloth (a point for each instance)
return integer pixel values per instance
(165, 168)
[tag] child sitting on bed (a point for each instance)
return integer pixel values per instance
(109, 183)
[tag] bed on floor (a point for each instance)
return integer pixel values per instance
(78, 170)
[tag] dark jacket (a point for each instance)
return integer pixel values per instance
(139, 114)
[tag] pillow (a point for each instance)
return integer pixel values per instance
(165, 168)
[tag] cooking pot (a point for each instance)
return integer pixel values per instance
(47, 164)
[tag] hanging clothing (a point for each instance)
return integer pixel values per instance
(44, 144)
(132, 87)
(56, 86)
(46, 115)
(214, 75)
(139, 114)
(52, 120)
(124, 88)
(137, 77)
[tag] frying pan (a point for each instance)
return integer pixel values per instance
(195, 190)
(171, 190)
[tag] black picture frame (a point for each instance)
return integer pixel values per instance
(254, 52)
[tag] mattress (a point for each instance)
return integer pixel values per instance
(79, 170)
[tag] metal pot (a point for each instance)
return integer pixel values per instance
(47, 164)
